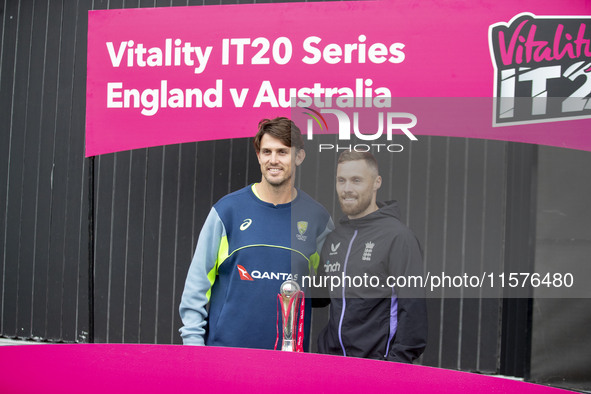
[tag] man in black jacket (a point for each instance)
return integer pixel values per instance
(361, 262)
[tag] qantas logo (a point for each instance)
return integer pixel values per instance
(244, 275)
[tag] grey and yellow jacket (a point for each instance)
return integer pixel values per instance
(246, 249)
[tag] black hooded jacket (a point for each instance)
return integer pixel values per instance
(369, 316)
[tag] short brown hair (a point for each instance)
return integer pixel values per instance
(350, 155)
(284, 129)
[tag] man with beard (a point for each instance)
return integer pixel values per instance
(252, 241)
(370, 317)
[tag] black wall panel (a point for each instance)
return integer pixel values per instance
(520, 211)
(97, 249)
(44, 177)
(452, 193)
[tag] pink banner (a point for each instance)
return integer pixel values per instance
(108, 368)
(170, 75)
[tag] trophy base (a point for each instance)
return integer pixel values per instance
(288, 345)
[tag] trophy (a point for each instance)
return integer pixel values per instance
(288, 297)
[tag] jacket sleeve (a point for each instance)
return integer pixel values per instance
(320, 296)
(327, 230)
(410, 338)
(200, 279)
(315, 258)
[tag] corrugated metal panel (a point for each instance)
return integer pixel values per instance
(43, 173)
(452, 195)
(149, 205)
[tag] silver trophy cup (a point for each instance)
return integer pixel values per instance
(289, 295)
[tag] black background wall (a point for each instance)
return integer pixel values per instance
(96, 250)
(44, 225)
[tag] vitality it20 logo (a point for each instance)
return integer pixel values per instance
(542, 68)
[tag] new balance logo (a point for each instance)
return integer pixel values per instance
(333, 248)
(367, 252)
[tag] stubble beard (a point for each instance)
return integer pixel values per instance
(359, 206)
(278, 183)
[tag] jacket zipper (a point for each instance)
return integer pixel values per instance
(344, 301)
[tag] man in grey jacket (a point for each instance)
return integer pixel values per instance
(369, 315)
